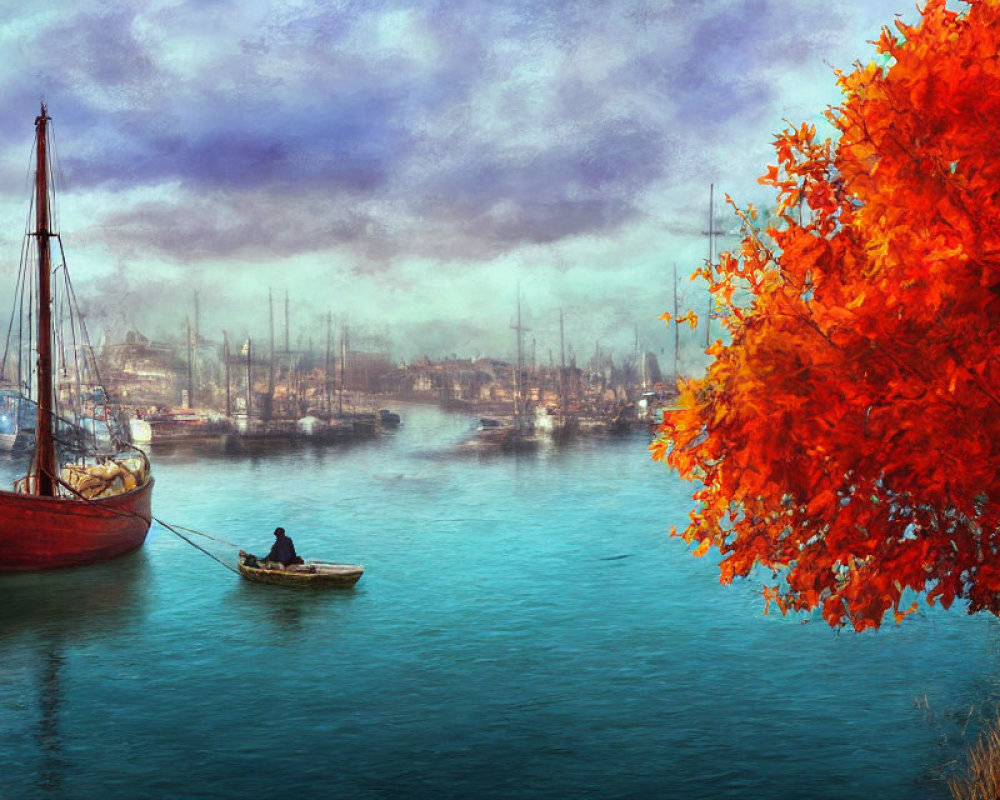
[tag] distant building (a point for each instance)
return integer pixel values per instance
(139, 371)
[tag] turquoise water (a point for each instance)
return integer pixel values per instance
(525, 628)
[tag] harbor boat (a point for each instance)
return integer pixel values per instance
(552, 424)
(311, 426)
(492, 434)
(311, 573)
(140, 431)
(491, 431)
(509, 434)
(10, 406)
(83, 498)
(388, 419)
(521, 435)
(621, 418)
(185, 424)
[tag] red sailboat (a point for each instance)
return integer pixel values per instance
(87, 493)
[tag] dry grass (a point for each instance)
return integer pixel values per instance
(982, 778)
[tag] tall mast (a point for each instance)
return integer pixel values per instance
(270, 359)
(519, 374)
(676, 327)
(562, 366)
(343, 368)
(711, 259)
(247, 348)
(518, 400)
(640, 363)
(225, 361)
(196, 333)
(326, 365)
(45, 452)
(190, 392)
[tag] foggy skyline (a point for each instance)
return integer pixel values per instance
(406, 166)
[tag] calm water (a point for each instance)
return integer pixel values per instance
(525, 628)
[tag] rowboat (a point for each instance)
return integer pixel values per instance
(311, 573)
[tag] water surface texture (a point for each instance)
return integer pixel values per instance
(525, 628)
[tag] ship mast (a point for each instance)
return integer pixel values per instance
(326, 366)
(562, 367)
(712, 233)
(45, 453)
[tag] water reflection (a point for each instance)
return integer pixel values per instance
(522, 616)
(44, 616)
(47, 732)
(270, 607)
(284, 609)
(75, 603)
(228, 448)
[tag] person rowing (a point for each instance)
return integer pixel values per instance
(282, 551)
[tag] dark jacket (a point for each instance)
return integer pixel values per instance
(283, 551)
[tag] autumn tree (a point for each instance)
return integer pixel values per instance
(846, 436)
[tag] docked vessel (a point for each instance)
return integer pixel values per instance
(185, 424)
(86, 493)
(516, 432)
(10, 404)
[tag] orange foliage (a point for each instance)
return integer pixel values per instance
(847, 437)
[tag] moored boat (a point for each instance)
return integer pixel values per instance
(496, 435)
(185, 424)
(84, 497)
(9, 417)
(140, 431)
(389, 419)
(39, 532)
(311, 573)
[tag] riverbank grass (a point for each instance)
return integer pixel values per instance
(982, 778)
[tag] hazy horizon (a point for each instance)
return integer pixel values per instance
(407, 167)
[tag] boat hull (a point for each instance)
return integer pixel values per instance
(311, 574)
(39, 533)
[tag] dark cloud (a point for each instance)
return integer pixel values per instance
(101, 49)
(255, 226)
(457, 135)
(544, 194)
(352, 144)
(356, 125)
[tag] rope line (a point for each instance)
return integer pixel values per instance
(169, 527)
(202, 533)
(195, 545)
(172, 528)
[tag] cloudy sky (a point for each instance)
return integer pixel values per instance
(406, 166)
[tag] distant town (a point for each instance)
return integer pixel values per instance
(200, 387)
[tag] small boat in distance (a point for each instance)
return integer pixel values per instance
(10, 405)
(185, 424)
(389, 419)
(311, 573)
(86, 494)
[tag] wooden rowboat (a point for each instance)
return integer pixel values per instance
(312, 573)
